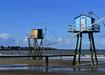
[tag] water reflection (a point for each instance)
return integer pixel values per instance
(42, 68)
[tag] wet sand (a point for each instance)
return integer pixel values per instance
(67, 63)
(35, 62)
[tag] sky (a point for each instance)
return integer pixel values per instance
(18, 17)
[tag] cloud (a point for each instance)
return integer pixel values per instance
(7, 40)
(65, 43)
(65, 40)
(4, 36)
(60, 39)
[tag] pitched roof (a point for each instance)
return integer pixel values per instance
(82, 15)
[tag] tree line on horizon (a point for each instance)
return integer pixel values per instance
(23, 48)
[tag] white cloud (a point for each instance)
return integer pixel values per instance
(7, 40)
(60, 39)
(4, 36)
(64, 40)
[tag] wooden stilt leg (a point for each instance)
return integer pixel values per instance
(80, 44)
(41, 50)
(91, 52)
(29, 47)
(76, 49)
(94, 50)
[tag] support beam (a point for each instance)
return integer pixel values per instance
(91, 47)
(76, 49)
(36, 44)
(94, 49)
(80, 44)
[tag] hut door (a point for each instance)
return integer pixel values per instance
(83, 24)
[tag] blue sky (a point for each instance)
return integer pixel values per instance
(18, 17)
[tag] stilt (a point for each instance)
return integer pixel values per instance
(36, 40)
(37, 46)
(80, 44)
(91, 47)
(94, 49)
(74, 60)
(84, 24)
(29, 48)
(91, 51)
